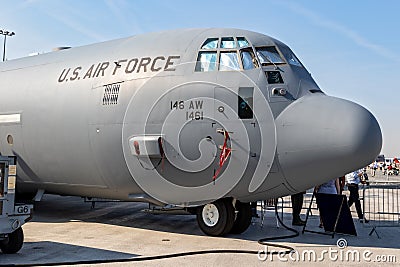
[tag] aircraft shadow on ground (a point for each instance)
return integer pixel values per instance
(61, 253)
(56, 209)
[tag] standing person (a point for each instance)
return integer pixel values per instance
(297, 204)
(330, 187)
(353, 179)
(374, 168)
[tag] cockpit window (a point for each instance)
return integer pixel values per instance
(210, 43)
(228, 42)
(226, 54)
(248, 59)
(206, 61)
(229, 61)
(292, 59)
(269, 55)
(242, 42)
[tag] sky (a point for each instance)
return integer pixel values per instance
(351, 48)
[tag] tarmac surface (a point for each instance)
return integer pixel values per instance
(65, 230)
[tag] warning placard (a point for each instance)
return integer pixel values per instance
(11, 182)
(12, 170)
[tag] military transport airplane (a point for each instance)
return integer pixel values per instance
(204, 119)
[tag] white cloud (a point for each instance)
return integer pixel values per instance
(124, 14)
(339, 28)
(74, 24)
(65, 13)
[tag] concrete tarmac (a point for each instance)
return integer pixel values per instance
(65, 230)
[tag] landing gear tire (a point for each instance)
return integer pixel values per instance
(13, 243)
(243, 218)
(216, 218)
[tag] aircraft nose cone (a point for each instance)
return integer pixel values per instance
(321, 137)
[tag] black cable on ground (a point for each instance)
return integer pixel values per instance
(295, 232)
(189, 253)
(157, 257)
(149, 258)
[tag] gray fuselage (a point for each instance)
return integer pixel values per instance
(79, 119)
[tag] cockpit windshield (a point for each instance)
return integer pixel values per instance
(292, 59)
(228, 42)
(242, 42)
(211, 43)
(226, 54)
(269, 55)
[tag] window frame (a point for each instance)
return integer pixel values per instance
(235, 43)
(271, 63)
(241, 47)
(249, 49)
(199, 63)
(239, 61)
(243, 114)
(218, 39)
(219, 50)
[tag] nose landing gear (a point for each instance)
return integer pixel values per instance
(13, 242)
(220, 218)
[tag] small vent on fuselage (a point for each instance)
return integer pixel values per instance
(111, 94)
